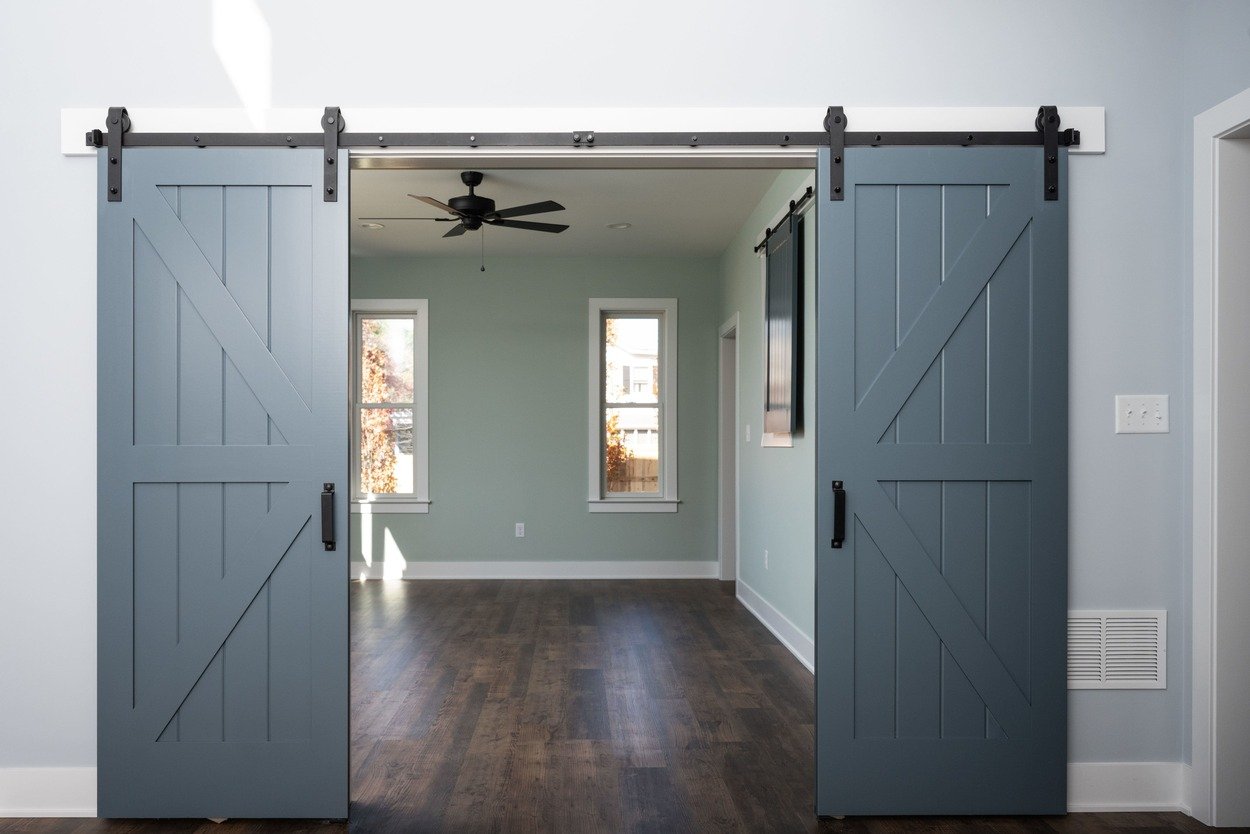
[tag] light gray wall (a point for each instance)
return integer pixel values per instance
(1129, 268)
(775, 499)
(509, 357)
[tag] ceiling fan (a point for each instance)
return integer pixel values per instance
(471, 211)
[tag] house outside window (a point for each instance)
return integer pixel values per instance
(390, 419)
(633, 405)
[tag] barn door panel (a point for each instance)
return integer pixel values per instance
(942, 331)
(222, 391)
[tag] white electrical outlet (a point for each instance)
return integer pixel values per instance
(748, 432)
(1141, 413)
(520, 529)
(765, 560)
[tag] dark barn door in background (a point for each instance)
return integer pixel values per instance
(783, 318)
(223, 637)
(942, 407)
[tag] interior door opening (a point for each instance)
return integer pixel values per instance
(728, 468)
(506, 314)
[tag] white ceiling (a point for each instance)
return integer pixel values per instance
(673, 212)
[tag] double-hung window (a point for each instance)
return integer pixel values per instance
(633, 405)
(390, 434)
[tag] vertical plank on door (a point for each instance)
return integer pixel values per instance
(245, 657)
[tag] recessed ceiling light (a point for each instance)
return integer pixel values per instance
(619, 226)
(373, 227)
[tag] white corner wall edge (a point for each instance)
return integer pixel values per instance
(790, 635)
(1209, 126)
(642, 569)
(1127, 786)
(77, 121)
(47, 791)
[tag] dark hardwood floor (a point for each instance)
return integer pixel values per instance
(582, 706)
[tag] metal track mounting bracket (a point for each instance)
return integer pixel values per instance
(835, 124)
(332, 125)
(111, 138)
(1048, 123)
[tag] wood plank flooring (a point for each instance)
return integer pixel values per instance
(582, 706)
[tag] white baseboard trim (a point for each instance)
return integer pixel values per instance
(1127, 786)
(653, 569)
(1092, 786)
(47, 791)
(790, 635)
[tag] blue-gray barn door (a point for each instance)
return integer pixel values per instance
(223, 635)
(942, 406)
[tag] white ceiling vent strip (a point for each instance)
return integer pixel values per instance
(1117, 649)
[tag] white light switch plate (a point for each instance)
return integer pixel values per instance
(1141, 413)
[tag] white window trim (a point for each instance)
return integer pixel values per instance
(667, 501)
(419, 501)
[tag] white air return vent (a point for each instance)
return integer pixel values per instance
(1117, 649)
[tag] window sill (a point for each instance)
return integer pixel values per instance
(390, 506)
(633, 505)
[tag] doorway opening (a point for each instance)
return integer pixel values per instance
(579, 399)
(728, 525)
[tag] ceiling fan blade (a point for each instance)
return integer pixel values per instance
(456, 231)
(528, 208)
(438, 204)
(437, 219)
(533, 227)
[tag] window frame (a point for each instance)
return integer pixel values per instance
(418, 501)
(666, 500)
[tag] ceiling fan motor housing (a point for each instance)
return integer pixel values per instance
(471, 205)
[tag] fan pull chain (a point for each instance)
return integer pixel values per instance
(483, 249)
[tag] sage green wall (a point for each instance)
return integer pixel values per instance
(508, 361)
(776, 510)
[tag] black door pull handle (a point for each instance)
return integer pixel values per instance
(839, 514)
(327, 516)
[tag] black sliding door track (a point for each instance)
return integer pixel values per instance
(118, 136)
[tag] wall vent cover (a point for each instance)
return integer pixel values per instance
(1117, 649)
